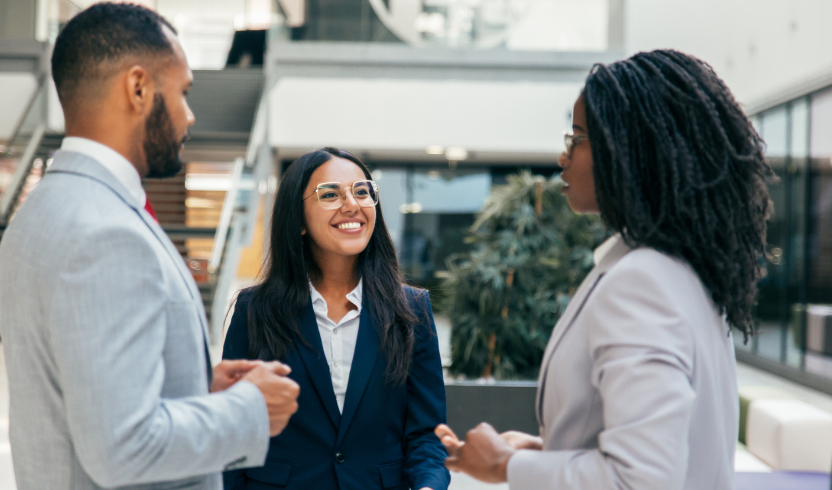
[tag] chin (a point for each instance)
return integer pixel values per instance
(353, 251)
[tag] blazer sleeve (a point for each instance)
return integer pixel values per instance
(108, 339)
(425, 455)
(236, 347)
(642, 350)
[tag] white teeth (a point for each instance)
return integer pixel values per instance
(349, 226)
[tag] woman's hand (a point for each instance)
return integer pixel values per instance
(521, 440)
(226, 373)
(483, 455)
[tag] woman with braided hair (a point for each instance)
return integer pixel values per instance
(638, 384)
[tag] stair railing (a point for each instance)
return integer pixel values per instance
(238, 218)
(34, 119)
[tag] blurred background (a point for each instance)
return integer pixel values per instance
(455, 104)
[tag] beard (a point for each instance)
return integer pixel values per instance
(161, 147)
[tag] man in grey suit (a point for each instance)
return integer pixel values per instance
(104, 331)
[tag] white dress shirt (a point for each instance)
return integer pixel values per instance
(122, 170)
(338, 339)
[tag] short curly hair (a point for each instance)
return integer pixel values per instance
(101, 39)
(679, 168)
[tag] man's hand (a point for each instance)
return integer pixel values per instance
(521, 440)
(280, 393)
(227, 373)
(483, 455)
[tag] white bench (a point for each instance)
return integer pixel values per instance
(790, 435)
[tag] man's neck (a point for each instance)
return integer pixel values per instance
(115, 144)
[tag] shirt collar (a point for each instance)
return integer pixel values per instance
(599, 253)
(115, 163)
(354, 296)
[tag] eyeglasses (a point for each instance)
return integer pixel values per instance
(331, 195)
(571, 140)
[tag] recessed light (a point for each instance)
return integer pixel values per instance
(456, 154)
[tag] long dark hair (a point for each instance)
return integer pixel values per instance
(277, 303)
(678, 167)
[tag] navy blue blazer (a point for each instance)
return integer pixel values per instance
(384, 439)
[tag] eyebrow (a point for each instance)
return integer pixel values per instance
(575, 126)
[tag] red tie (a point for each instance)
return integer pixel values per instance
(149, 208)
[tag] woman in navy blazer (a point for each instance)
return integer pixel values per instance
(361, 344)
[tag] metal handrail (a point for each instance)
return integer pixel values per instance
(237, 219)
(9, 197)
(18, 127)
(228, 206)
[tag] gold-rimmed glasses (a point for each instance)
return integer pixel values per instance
(331, 195)
(571, 140)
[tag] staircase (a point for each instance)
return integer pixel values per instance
(200, 222)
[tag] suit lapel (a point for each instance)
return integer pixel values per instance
(313, 358)
(80, 164)
(186, 275)
(366, 354)
(576, 304)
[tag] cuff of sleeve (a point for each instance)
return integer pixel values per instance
(432, 482)
(520, 471)
(257, 411)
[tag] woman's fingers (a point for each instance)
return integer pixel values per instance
(443, 431)
(449, 440)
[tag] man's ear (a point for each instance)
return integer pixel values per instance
(140, 89)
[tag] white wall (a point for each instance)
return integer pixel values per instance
(383, 114)
(758, 47)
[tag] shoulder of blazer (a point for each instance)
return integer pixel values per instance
(244, 296)
(419, 301)
(649, 262)
(416, 295)
(661, 275)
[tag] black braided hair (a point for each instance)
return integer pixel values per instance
(679, 168)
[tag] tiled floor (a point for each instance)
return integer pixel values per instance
(745, 375)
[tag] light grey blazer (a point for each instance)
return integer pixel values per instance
(638, 386)
(105, 341)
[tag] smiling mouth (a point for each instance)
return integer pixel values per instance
(349, 226)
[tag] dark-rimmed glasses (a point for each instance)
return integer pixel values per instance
(571, 140)
(331, 195)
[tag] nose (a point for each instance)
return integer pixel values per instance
(563, 160)
(189, 115)
(349, 205)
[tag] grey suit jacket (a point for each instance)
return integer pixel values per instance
(105, 342)
(638, 384)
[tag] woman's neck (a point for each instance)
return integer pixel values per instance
(337, 274)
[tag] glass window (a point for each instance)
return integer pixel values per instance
(820, 231)
(797, 182)
(428, 211)
(772, 308)
(392, 194)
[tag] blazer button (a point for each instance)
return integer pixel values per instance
(339, 457)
